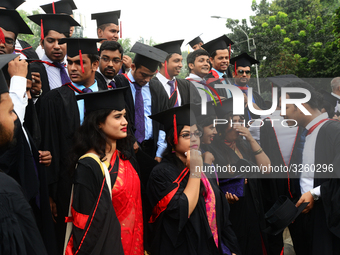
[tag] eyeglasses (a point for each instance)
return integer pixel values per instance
(108, 60)
(243, 71)
(197, 134)
(9, 42)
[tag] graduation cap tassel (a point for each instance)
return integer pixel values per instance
(81, 61)
(53, 7)
(235, 69)
(166, 71)
(175, 130)
(41, 30)
(2, 37)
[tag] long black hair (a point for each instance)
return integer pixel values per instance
(90, 136)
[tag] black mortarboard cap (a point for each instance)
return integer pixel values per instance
(225, 108)
(4, 59)
(57, 22)
(171, 47)
(284, 80)
(244, 60)
(60, 7)
(173, 117)
(220, 43)
(107, 99)
(10, 20)
(195, 41)
(86, 45)
(106, 17)
(281, 214)
(11, 4)
(148, 56)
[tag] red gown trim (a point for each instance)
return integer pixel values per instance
(163, 203)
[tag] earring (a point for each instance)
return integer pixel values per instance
(173, 150)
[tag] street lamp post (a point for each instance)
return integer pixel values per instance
(256, 66)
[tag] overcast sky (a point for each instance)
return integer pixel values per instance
(179, 19)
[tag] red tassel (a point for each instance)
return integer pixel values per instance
(53, 7)
(175, 130)
(41, 30)
(2, 37)
(229, 51)
(120, 30)
(235, 69)
(81, 61)
(166, 71)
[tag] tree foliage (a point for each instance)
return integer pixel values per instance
(34, 39)
(298, 37)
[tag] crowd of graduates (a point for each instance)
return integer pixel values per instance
(104, 154)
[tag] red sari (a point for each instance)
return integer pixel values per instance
(127, 202)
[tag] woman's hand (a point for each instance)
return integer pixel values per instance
(244, 132)
(194, 161)
(232, 198)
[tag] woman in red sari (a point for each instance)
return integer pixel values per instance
(106, 209)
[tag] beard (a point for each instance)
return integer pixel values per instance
(7, 140)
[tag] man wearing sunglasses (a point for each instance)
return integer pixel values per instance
(242, 74)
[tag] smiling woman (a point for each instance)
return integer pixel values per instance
(106, 210)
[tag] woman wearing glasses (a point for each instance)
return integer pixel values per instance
(189, 213)
(246, 212)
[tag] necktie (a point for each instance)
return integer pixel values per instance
(300, 145)
(204, 83)
(139, 114)
(87, 90)
(172, 89)
(112, 85)
(63, 75)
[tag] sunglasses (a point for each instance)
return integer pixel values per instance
(242, 71)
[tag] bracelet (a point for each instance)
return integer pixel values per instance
(195, 175)
(257, 152)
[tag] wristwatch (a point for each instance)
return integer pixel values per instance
(315, 197)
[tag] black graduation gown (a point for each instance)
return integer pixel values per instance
(281, 183)
(27, 50)
(22, 163)
(246, 215)
(59, 120)
(104, 234)
(324, 216)
(212, 81)
(187, 90)
(173, 232)
(19, 233)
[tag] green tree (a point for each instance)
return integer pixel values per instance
(34, 39)
(299, 37)
(126, 44)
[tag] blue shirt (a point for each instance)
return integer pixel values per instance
(94, 88)
(220, 74)
(161, 144)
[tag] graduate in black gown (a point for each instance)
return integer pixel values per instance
(190, 214)
(19, 233)
(60, 116)
(106, 185)
(246, 211)
(179, 91)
